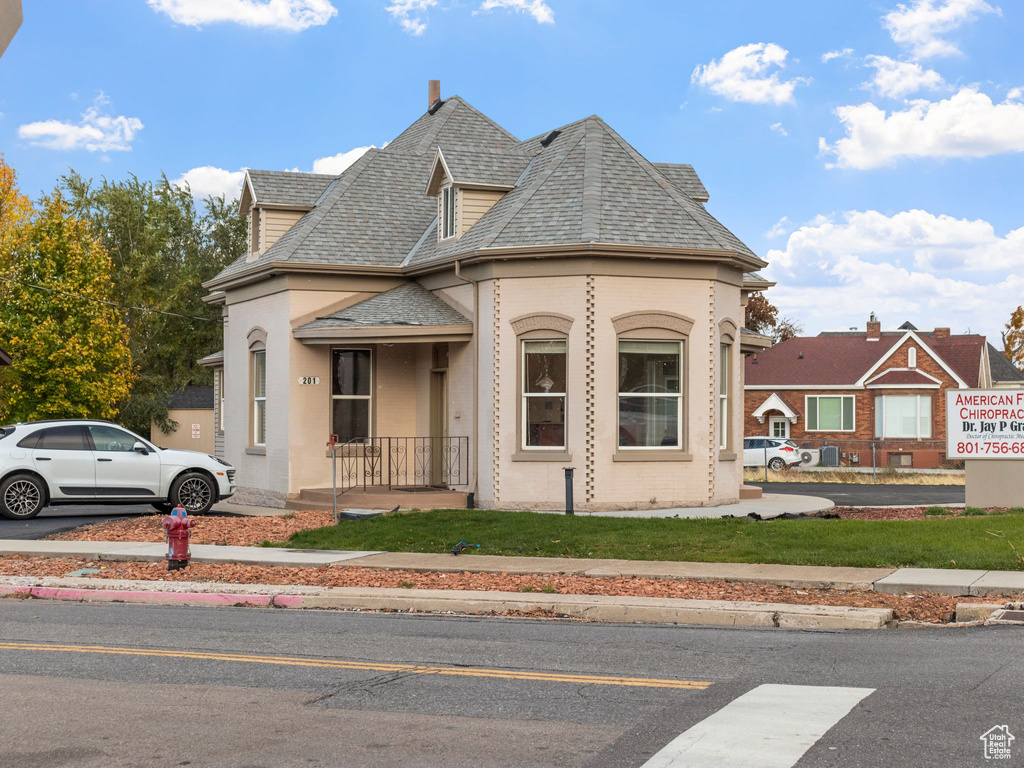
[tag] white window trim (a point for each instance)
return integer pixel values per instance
(679, 395)
(724, 404)
(807, 414)
(912, 357)
(447, 224)
(220, 392)
(917, 418)
(256, 399)
(565, 395)
(369, 397)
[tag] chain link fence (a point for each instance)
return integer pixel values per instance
(783, 459)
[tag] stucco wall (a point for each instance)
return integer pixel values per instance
(181, 438)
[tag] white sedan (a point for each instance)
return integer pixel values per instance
(95, 462)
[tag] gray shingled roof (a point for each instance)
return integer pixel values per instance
(588, 185)
(492, 168)
(192, 399)
(409, 304)
(684, 177)
(289, 187)
(1002, 369)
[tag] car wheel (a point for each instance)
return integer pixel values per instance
(195, 492)
(777, 464)
(22, 497)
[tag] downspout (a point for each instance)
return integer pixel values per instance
(476, 373)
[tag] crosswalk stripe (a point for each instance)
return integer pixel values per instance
(770, 726)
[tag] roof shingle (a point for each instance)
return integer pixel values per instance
(409, 304)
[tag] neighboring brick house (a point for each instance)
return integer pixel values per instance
(874, 385)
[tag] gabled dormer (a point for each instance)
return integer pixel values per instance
(274, 201)
(468, 184)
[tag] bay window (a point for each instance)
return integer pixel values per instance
(351, 394)
(544, 394)
(830, 413)
(650, 394)
(907, 416)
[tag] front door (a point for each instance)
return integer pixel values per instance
(120, 470)
(438, 414)
(778, 426)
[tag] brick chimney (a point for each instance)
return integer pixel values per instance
(433, 92)
(940, 333)
(874, 327)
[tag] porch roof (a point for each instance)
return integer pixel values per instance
(408, 312)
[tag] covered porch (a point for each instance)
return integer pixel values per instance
(400, 401)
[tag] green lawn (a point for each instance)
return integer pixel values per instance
(966, 542)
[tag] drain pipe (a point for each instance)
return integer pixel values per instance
(476, 374)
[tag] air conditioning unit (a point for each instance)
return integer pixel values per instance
(830, 456)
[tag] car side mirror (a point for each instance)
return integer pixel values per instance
(140, 447)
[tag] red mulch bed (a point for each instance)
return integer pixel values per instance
(235, 531)
(924, 607)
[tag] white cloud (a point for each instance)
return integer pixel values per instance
(409, 14)
(779, 129)
(921, 24)
(914, 265)
(897, 79)
(290, 15)
(966, 124)
(843, 53)
(741, 75)
(95, 132)
(209, 181)
(539, 9)
(779, 228)
(335, 164)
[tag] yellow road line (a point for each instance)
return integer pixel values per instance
(369, 666)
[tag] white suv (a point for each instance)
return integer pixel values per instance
(95, 462)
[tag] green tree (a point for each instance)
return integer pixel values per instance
(70, 348)
(163, 249)
(1013, 338)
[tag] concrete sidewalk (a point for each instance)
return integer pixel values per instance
(890, 580)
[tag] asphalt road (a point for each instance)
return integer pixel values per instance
(853, 495)
(57, 519)
(120, 685)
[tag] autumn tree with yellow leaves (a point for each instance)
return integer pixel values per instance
(69, 349)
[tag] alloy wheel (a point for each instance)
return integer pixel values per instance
(194, 494)
(22, 498)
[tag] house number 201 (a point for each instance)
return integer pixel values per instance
(309, 380)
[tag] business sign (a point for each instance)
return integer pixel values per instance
(195, 431)
(984, 424)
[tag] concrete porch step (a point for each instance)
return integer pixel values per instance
(379, 498)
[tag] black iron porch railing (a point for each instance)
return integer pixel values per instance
(403, 463)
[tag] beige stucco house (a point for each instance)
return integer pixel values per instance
(471, 311)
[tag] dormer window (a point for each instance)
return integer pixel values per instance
(447, 215)
(254, 231)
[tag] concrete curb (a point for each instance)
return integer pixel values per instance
(603, 608)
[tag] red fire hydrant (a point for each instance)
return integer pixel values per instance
(178, 528)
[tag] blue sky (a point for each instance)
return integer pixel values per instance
(872, 151)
